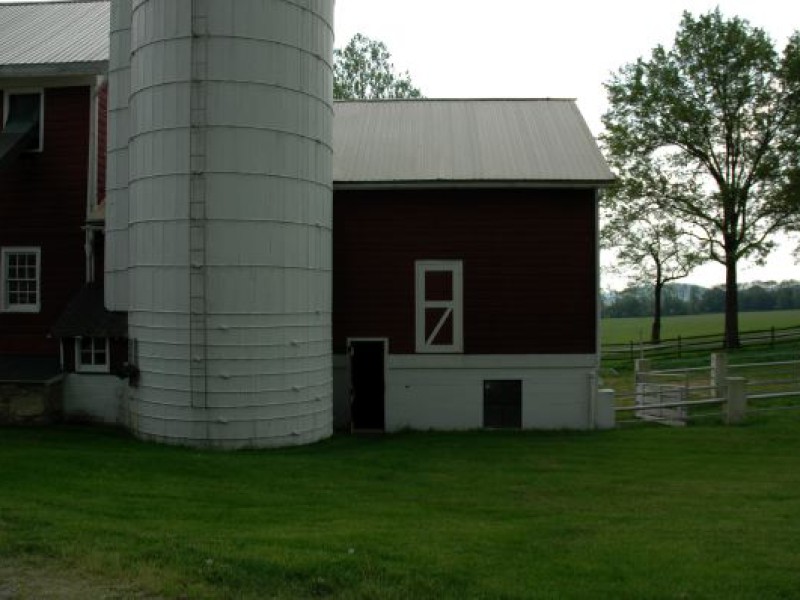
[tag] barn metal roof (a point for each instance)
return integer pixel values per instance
(400, 142)
(54, 38)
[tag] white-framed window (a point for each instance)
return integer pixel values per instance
(21, 279)
(26, 105)
(91, 355)
(439, 306)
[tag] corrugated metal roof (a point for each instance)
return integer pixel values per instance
(467, 140)
(53, 37)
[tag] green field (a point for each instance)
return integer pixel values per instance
(700, 512)
(623, 331)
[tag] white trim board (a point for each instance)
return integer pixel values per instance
(484, 361)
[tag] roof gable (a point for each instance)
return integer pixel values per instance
(466, 140)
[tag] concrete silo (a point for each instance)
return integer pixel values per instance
(230, 221)
(119, 89)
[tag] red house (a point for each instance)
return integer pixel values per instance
(53, 61)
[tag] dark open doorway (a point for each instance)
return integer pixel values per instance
(367, 384)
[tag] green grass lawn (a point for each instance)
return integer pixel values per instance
(622, 331)
(700, 512)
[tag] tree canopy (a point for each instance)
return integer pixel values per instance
(363, 70)
(713, 126)
(653, 250)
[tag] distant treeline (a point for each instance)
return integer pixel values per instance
(683, 299)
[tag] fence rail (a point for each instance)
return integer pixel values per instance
(683, 345)
(667, 396)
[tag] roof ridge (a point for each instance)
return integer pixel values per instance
(49, 2)
(454, 99)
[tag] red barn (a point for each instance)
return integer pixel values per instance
(464, 258)
(465, 264)
(53, 61)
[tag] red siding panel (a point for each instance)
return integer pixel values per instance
(43, 203)
(528, 256)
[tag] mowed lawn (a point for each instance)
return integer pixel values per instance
(698, 512)
(632, 329)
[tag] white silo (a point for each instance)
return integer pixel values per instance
(116, 241)
(230, 221)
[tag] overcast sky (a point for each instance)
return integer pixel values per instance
(556, 49)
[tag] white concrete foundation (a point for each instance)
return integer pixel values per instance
(446, 391)
(95, 397)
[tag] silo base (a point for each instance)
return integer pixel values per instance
(222, 434)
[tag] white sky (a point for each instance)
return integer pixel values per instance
(557, 49)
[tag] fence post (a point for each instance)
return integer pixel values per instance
(605, 418)
(736, 407)
(680, 354)
(719, 373)
(641, 367)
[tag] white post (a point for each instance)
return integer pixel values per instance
(737, 400)
(719, 372)
(605, 417)
(641, 367)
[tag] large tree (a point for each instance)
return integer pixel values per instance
(653, 250)
(714, 122)
(363, 70)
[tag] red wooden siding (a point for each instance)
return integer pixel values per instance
(43, 203)
(528, 258)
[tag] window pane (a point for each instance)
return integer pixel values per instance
(438, 285)
(21, 278)
(92, 352)
(25, 108)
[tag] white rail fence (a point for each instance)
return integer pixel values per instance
(675, 396)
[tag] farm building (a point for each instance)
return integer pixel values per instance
(53, 61)
(465, 264)
(277, 265)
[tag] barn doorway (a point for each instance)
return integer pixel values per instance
(367, 384)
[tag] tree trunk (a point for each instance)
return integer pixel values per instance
(731, 304)
(655, 332)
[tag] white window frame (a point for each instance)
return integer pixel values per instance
(454, 306)
(5, 305)
(7, 93)
(81, 367)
